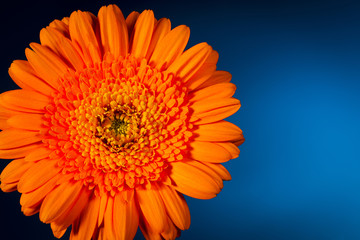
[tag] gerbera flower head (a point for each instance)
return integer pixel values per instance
(113, 123)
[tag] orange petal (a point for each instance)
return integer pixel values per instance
(57, 230)
(59, 200)
(44, 67)
(209, 152)
(216, 78)
(217, 91)
(176, 207)
(126, 218)
(8, 187)
(220, 170)
(88, 220)
(204, 72)
(37, 175)
(109, 231)
(25, 77)
(221, 131)
(30, 211)
(102, 208)
(82, 33)
(73, 54)
(170, 47)
(230, 147)
(113, 30)
(18, 152)
(130, 21)
(5, 111)
(205, 168)
(27, 121)
(35, 198)
(52, 60)
(13, 138)
(73, 212)
(3, 122)
(50, 38)
(172, 232)
(153, 208)
(63, 47)
(38, 154)
(192, 181)
(148, 232)
(24, 100)
(143, 31)
(14, 171)
(190, 61)
(61, 26)
(214, 110)
(163, 26)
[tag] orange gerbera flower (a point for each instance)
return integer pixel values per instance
(114, 121)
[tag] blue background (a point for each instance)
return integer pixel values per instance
(296, 65)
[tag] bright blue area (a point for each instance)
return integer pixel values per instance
(296, 65)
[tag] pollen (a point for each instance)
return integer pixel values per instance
(118, 124)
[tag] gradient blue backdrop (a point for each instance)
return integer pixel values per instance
(296, 65)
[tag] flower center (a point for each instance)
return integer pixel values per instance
(118, 125)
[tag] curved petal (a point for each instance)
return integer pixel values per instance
(231, 148)
(3, 122)
(126, 218)
(13, 172)
(24, 101)
(209, 111)
(13, 138)
(143, 31)
(163, 26)
(25, 77)
(172, 232)
(82, 33)
(102, 209)
(61, 25)
(130, 22)
(27, 121)
(209, 171)
(216, 78)
(153, 208)
(109, 231)
(192, 181)
(59, 200)
(73, 212)
(63, 47)
(19, 101)
(38, 154)
(204, 72)
(35, 198)
(220, 170)
(88, 220)
(113, 31)
(209, 152)
(37, 175)
(212, 92)
(30, 211)
(190, 61)
(52, 60)
(176, 207)
(45, 65)
(221, 131)
(19, 152)
(170, 47)
(57, 230)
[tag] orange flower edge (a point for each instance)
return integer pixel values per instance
(113, 123)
